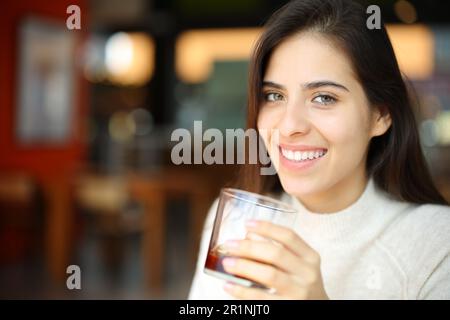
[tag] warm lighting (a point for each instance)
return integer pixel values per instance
(121, 127)
(405, 11)
(443, 126)
(119, 53)
(196, 50)
(414, 49)
(130, 58)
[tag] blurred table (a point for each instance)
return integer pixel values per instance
(59, 225)
(154, 191)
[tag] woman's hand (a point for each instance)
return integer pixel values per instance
(289, 266)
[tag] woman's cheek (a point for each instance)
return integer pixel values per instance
(263, 132)
(341, 124)
(331, 127)
(267, 127)
(346, 134)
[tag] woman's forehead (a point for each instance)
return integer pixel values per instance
(308, 55)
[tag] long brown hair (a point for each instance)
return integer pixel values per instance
(395, 159)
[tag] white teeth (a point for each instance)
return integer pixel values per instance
(302, 155)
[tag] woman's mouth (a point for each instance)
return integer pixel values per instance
(300, 157)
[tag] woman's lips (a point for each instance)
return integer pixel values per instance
(300, 157)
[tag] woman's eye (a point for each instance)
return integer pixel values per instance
(324, 99)
(273, 96)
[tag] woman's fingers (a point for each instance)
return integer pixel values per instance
(269, 253)
(285, 236)
(275, 257)
(264, 274)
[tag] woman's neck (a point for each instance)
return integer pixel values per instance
(338, 197)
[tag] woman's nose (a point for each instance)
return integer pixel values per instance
(294, 121)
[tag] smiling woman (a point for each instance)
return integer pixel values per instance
(370, 222)
(320, 106)
(326, 50)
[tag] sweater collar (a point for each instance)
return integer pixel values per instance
(364, 218)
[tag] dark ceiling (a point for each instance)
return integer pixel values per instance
(172, 16)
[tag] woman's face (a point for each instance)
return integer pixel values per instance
(313, 100)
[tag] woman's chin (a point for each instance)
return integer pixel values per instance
(301, 188)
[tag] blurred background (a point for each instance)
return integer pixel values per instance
(85, 123)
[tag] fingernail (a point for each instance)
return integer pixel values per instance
(229, 262)
(251, 223)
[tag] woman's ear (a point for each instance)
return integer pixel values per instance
(381, 121)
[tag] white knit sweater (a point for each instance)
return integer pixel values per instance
(377, 248)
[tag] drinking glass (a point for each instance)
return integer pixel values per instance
(234, 209)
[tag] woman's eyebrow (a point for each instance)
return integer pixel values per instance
(309, 85)
(273, 84)
(323, 83)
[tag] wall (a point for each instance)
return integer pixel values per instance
(40, 161)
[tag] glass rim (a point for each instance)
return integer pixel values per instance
(278, 205)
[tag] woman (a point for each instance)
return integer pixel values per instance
(371, 224)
